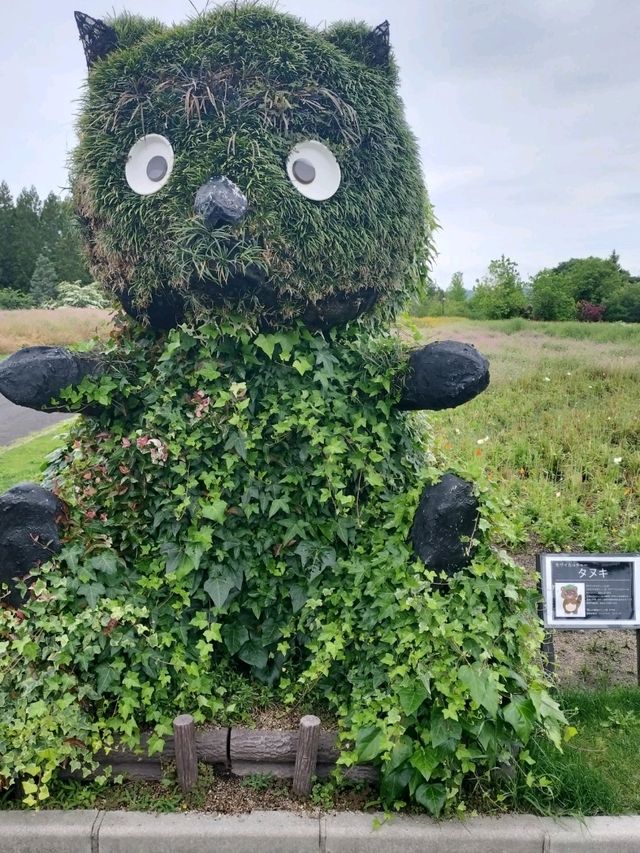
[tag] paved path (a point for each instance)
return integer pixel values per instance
(288, 832)
(16, 421)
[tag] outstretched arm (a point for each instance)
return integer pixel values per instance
(443, 375)
(35, 376)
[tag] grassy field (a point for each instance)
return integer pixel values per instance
(42, 326)
(558, 429)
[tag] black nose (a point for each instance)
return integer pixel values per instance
(220, 201)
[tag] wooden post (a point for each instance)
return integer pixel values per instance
(306, 755)
(184, 734)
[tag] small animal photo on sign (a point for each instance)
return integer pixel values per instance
(570, 600)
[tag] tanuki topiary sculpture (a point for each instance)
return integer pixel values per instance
(246, 498)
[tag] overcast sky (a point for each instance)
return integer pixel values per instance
(526, 112)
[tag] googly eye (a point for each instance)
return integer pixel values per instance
(313, 170)
(149, 164)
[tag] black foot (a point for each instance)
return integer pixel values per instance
(28, 533)
(447, 514)
(34, 376)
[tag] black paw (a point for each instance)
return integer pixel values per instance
(446, 515)
(443, 375)
(34, 376)
(28, 533)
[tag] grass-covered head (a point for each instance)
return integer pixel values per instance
(245, 161)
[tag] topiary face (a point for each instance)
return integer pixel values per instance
(244, 161)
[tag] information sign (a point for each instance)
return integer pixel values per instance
(590, 590)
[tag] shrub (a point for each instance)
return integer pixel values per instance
(500, 293)
(590, 313)
(11, 299)
(550, 299)
(77, 295)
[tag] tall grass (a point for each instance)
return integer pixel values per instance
(55, 326)
(558, 432)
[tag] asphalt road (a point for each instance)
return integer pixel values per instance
(16, 421)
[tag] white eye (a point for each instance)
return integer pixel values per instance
(149, 164)
(313, 170)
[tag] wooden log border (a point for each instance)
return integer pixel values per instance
(239, 751)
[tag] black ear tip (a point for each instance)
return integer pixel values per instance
(379, 44)
(98, 39)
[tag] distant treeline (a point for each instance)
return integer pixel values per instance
(588, 289)
(37, 237)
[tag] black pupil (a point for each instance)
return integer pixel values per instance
(303, 171)
(157, 168)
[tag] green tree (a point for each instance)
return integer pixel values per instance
(67, 253)
(26, 240)
(499, 293)
(551, 298)
(625, 305)
(6, 232)
(595, 280)
(456, 295)
(44, 281)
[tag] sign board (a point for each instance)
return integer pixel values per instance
(590, 590)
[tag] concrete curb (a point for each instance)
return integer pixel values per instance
(289, 832)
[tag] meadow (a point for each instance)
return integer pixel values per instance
(557, 435)
(51, 327)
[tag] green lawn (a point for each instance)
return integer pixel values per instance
(26, 458)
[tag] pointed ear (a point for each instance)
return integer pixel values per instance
(98, 39)
(378, 42)
(371, 47)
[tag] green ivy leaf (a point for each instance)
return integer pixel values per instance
(432, 797)
(254, 654)
(105, 562)
(266, 343)
(298, 597)
(220, 585)
(444, 732)
(106, 678)
(214, 510)
(91, 592)
(402, 751)
(370, 742)
(302, 365)
(520, 714)
(483, 691)
(425, 760)
(234, 636)
(412, 695)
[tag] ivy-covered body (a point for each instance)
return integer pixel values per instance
(248, 501)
